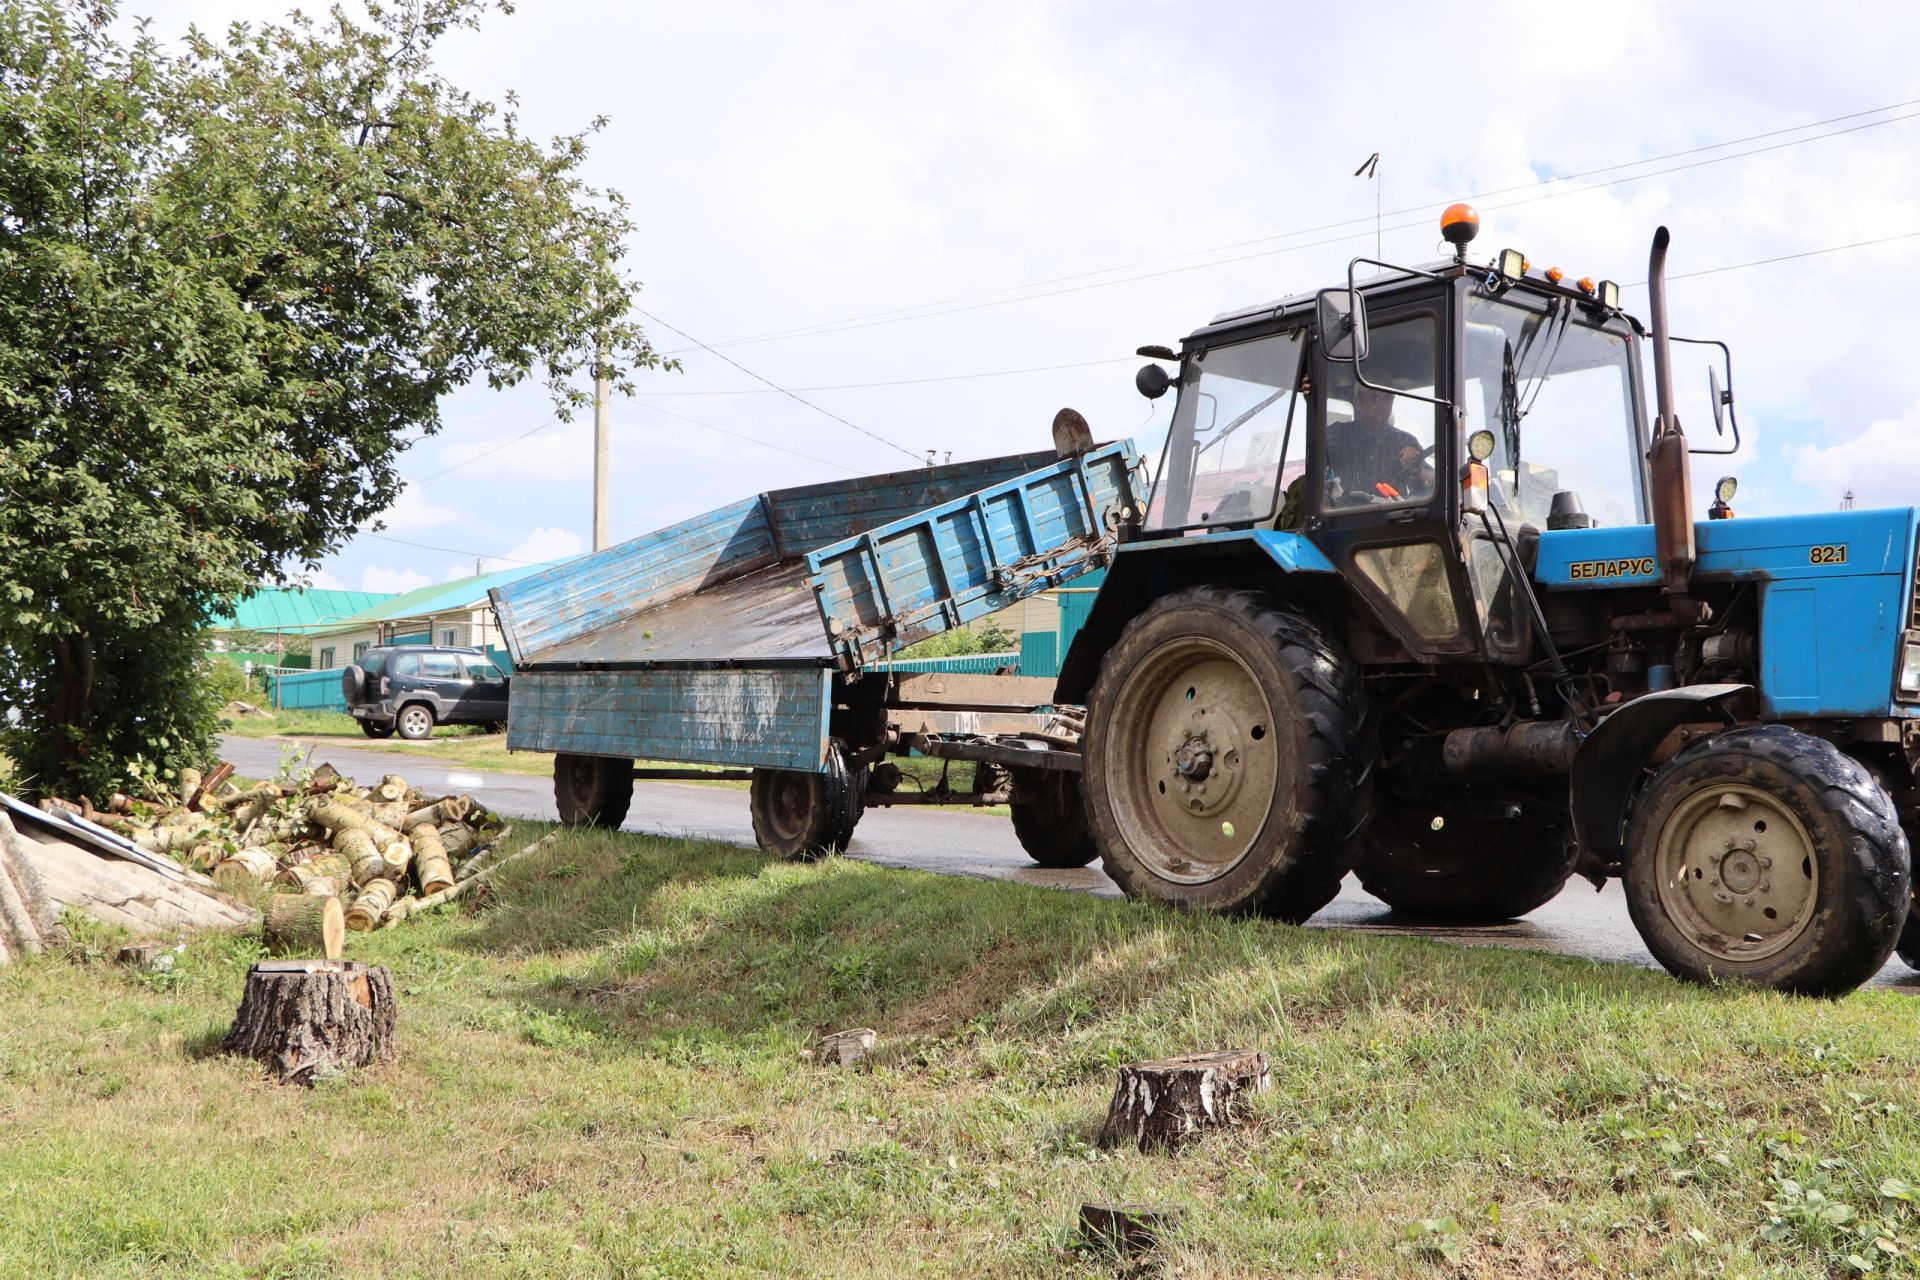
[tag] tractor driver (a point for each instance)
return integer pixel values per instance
(1368, 458)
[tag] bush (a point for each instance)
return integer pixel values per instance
(962, 642)
(225, 680)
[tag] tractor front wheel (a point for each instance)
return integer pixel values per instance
(1765, 855)
(1466, 868)
(1224, 755)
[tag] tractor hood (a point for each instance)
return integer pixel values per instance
(1836, 593)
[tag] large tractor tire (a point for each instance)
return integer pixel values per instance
(1765, 855)
(1909, 944)
(1225, 753)
(803, 817)
(1050, 818)
(1422, 860)
(592, 791)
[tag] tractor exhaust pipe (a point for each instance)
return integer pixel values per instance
(1667, 467)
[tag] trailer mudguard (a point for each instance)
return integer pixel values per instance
(1609, 762)
(1144, 571)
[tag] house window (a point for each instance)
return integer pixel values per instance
(360, 649)
(446, 636)
(326, 659)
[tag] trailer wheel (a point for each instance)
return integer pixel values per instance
(592, 791)
(1050, 818)
(1423, 861)
(1909, 944)
(806, 816)
(1765, 855)
(1224, 756)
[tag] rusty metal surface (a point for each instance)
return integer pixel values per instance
(766, 615)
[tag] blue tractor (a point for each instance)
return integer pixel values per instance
(1419, 593)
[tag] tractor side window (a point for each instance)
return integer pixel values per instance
(1380, 443)
(1234, 445)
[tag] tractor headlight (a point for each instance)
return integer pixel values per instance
(1910, 669)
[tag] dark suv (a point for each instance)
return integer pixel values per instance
(409, 688)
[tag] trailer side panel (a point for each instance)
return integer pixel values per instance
(772, 718)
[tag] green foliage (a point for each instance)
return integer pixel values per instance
(225, 680)
(962, 642)
(240, 279)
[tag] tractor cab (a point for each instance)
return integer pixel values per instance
(1351, 416)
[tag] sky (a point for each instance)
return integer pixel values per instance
(918, 194)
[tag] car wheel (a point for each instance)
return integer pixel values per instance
(415, 721)
(373, 729)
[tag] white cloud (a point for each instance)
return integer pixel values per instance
(373, 578)
(538, 547)
(1881, 465)
(321, 580)
(411, 513)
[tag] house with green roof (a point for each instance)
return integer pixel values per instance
(257, 628)
(449, 613)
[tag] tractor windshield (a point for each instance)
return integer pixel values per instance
(1233, 447)
(1556, 393)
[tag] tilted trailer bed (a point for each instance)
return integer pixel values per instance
(758, 637)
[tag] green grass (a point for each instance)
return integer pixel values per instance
(469, 747)
(602, 1077)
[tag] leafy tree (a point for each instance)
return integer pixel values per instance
(240, 275)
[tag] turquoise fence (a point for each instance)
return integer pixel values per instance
(973, 664)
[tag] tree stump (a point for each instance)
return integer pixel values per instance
(1126, 1230)
(1160, 1105)
(309, 1018)
(302, 924)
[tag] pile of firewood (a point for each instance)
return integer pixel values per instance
(383, 852)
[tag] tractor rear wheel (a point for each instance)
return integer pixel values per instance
(1050, 818)
(1224, 756)
(592, 791)
(1464, 868)
(803, 817)
(1765, 855)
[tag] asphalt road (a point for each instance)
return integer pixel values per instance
(1580, 922)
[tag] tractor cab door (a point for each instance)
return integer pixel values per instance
(1381, 460)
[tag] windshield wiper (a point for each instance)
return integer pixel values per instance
(1242, 420)
(1563, 314)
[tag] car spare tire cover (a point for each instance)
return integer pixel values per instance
(352, 680)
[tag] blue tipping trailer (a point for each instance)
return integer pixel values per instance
(757, 636)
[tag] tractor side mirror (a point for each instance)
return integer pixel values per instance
(1152, 381)
(1720, 393)
(1343, 325)
(1720, 401)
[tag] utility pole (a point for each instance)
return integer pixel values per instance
(601, 444)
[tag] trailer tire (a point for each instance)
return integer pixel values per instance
(592, 791)
(1050, 818)
(1909, 944)
(803, 817)
(1765, 855)
(1229, 687)
(1470, 870)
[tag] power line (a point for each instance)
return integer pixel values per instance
(901, 382)
(452, 551)
(899, 314)
(1789, 257)
(740, 436)
(918, 460)
(485, 453)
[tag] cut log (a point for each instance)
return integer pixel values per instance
(190, 780)
(398, 855)
(375, 897)
(467, 885)
(1126, 1230)
(308, 1018)
(431, 865)
(323, 876)
(147, 957)
(245, 867)
(392, 787)
(1160, 1105)
(845, 1048)
(301, 924)
(451, 809)
(364, 863)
